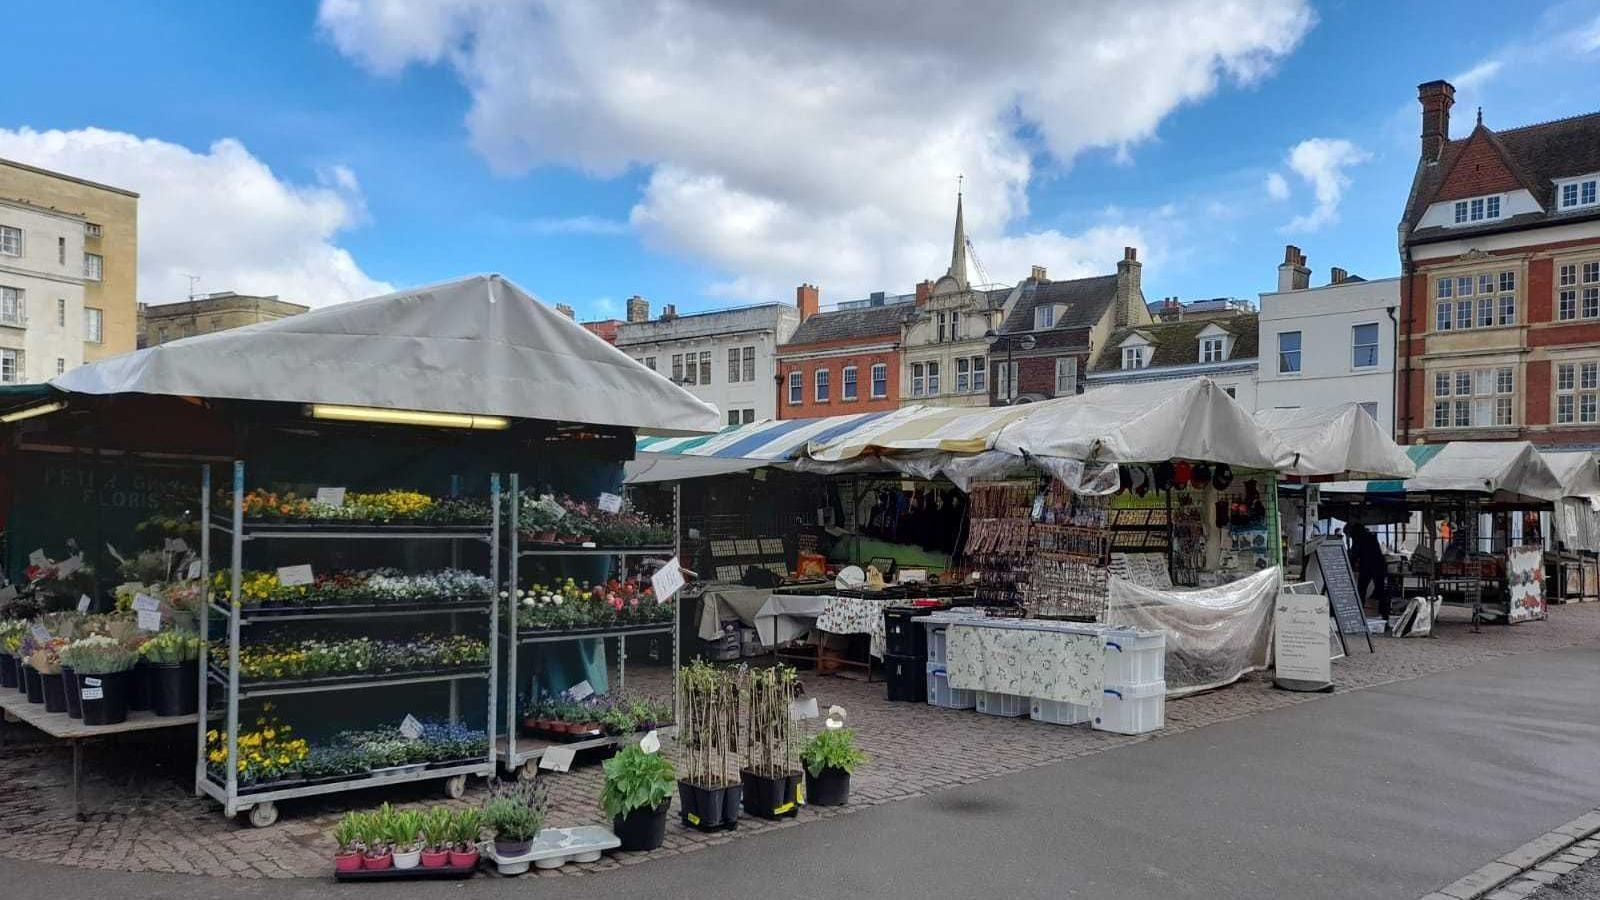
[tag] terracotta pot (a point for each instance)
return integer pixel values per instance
(347, 862)
(435, 859)
(461, 859)
(385, 861)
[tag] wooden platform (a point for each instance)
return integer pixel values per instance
(63, 726)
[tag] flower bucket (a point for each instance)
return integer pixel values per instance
(104, 697)
(462, 859)
(139, 687)
(69, 684)
(174, 688)
(643, 828)
(831, 788)
(408, 859)
(8, 670)
(55, 694)
(508, 849)
(709, 808)
(32, 685)
(771, 797)
(384, 861)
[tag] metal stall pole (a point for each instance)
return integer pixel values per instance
(677, 608)
(494, 615)
(512, 649)
(455, 620)
(205, 632)
(233, 636)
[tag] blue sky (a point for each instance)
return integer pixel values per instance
(367, 151)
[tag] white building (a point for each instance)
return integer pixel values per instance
(42, 271)
(1328, 345)
(726, 357)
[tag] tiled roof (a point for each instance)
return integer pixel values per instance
(1178, 343)
(868, 322)
(1083, 302)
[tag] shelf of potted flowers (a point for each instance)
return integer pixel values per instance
(278, 510)
(315, 664)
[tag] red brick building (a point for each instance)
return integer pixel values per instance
(842, 361)
(605, 329)
(1499, 335)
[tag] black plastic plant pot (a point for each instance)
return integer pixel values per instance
(643, 828)
(104, 697)
(710, 808)
(32, 685)
(69, 685)
(138, 681)
(771, 797)
(831, 788)
(22, 682)
(8, 670)
(55, 694)
(174, 688)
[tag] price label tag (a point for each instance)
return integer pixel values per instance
(410, 728)
(667, 580)
(194, 569)
(149, 620)
(83, 604)
(292, 576)
(557, 759)
(579, 691)
(146, 603)
(803, 709)
(333, 496)
(69, 565)
(610, 503)
(40, 633)
(92, 689)
(38, 559)
(176, 545)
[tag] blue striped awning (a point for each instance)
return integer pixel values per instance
(778, 440)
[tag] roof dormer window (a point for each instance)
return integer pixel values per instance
(1133, 357)
(1578, 193)
(1213, 349)
(1477, 209)
(1044, 316)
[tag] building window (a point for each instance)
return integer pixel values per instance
(91, 229)
(691, 370)
(677, 367)
(847, 383)
(1473, 398)
(963, 375)
(733, 365)
(733, 417)
(61, 312)
(1211, 349)
(10, 241)
(749, 364)
(93, 320)
(1477, 209)
(822, 386)
(1578, 193)
(933, 379)
(1370, 408)
(1231, 392)
(1044, 317)
(13, 308)
(10, 366)
(1006, 380)
(705, 366)
(1133, 357)
(918, 384)
(1066, 376)
(795, 388)
(955, 326)
(1364, 346)
(61, 366)
(1288, 352)
(880, 380)
(749, 416)
(61, 251)
(980, 373)
(1483, 300)
(941, 327)
(1577, 393)
(93, 266)
(649, 361)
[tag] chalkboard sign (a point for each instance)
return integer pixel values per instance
(1339, 583)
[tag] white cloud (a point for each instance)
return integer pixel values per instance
(1277, 186)
(583, 225)
(791, 142)
(1477, 76)
(221, 214)
(1321, 163)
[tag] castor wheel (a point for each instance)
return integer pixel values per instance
(528, 771)
(263, 815)
(455, 787)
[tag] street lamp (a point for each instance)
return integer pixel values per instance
(1026, 342)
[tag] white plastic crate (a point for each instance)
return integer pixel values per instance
(1133, 708)
(1133, 658)
(1058, 713)
(941, 694)
(936, 644)
(1008, 705)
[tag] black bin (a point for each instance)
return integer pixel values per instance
(907, 677)
(903, 637)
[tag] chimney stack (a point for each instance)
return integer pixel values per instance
(1292, 272)
(669, 312)
(1040, 275)
(566, 310)
(1338, 276)
(1436, 98)
(808, 300)
(924, 291)
(638, 309)
(1130, 296)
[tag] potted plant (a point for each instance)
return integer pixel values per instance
(829, 759)
(618, 719)
(378, 853)
(515, 812)
(438, 834)
(46, 664)
(770, 776)
(11, 631)
(466, 827)
(347, 834)
(173, 676)
(709, 734)
(405, 835)
(637, 795)
(101, 665)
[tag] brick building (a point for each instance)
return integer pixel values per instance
(1500, 286)
(845, 360)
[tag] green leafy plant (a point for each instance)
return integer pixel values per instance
(405, 830)
(832, 748)
(349, 832)
(438, 828)
(515, 810)
(375, 830)
(636, 780)
(466, 827)
(171, 647)
(98, 655)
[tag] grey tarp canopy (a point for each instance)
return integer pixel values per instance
(1577, 470)
(1342, 441)
(477, 346)
(649, 468)
(1501, 471)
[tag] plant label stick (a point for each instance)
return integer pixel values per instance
(410, 728)
(194, 569)
(579, 691)
(40, 633)
(557, 759)
(610, 503)
(149, 620)
(292, 576)
(332, 496)
(146, 603)
(83, 604)
(92, 690)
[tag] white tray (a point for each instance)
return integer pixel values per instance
(555, 847)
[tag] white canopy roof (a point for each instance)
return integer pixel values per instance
(480, 346)
(1148, 422)
(1507, 471)
(1577, 470)
(1336, 440)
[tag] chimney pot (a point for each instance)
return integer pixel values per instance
(669, 312)
(1338, 276)
(1293, 275)
(1039, 274)
(924, 291)
(638, 309)
(807, 300)
(566, 310)
(1436, 98)
(1130, 253)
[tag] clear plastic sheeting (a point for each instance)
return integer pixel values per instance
(1214, 635)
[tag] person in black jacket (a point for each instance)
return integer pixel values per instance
(1372, 569)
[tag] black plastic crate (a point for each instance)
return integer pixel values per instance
(902, 636)
(907, 677)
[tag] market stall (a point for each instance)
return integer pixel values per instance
(1573, 538)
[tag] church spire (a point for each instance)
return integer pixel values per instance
(958, 251)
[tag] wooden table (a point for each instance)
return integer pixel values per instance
(63, 727)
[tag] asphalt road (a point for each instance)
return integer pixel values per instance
(1389, 792)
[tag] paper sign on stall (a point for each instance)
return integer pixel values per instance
(610, 503)
(37, 559)
(40, 633)
(92, 689)
(557, 759)
(292, 576)
(69, 565)
(8, 593)
(194, 569)
(667, 580)
(83, 604)
(332, 496)
(410, 728)
(579, 691)
(175, 545)
(1300, 643)
(149, 619)
(803, 709)
(146, 603)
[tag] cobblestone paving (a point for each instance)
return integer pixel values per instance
(143, 817)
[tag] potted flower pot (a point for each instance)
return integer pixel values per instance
(771, 796)
(32, 685)
(708, 808)
(463, 859)
(347, 862)
(104, 697)
(435, 859)
(22, 682)
(8, 670)
(407, 859)
(545, 537)
(174, 688)
(139, 687)
(55, 695)
(69, 684)
(829, 788)
(643, 828)
(384, 860)
(509, 849)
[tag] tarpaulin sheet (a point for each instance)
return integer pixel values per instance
(1336, 440)
(1214, 635)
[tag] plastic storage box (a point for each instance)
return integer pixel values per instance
(942, 695)
(936, 644)
(1008, 705)
(1058, 713)
(907, 677)
(1133, 708)
(1134, 658)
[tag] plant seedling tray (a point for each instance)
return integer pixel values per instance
(416, 873)
(555, 847)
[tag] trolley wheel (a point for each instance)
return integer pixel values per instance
(263, 815)
(528, 771)
(455, 787)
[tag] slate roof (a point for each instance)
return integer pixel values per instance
(1536, 155)
(1085, 301)
(1178, 343)
(867, 322)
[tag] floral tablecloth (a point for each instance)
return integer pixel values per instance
(1027, 661)
(848, 615)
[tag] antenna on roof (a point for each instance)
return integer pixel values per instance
(1480, 115)
(193, 280)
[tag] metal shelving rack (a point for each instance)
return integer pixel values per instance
(525, 759)
(262, 805)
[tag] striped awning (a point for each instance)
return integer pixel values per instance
(778, 440)
(947, 429)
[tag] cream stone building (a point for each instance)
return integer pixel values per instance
(163, 322)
